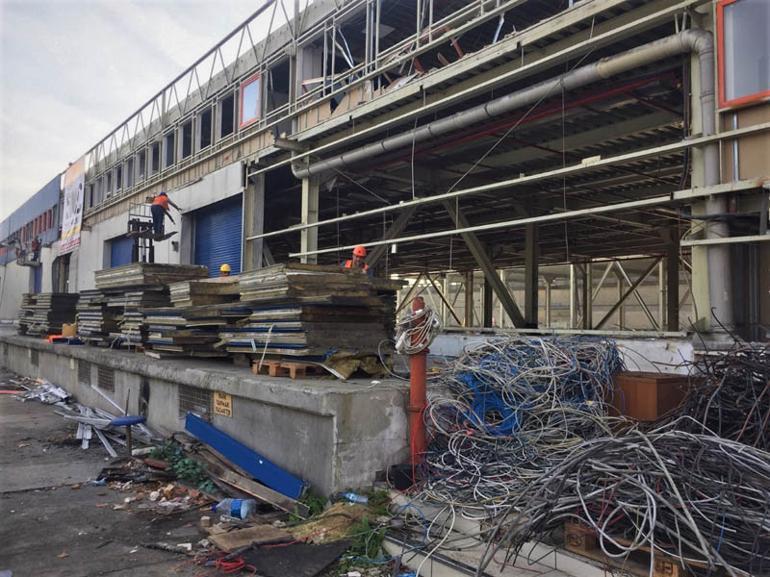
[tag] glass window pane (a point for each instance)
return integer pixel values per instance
(746, 48)
(250, 93)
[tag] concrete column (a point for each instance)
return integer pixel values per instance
(253, 222)
(488, 308)
(588, 284)
(548, 284)
(711, 267)
(572, 296)
(469, 304)
(672, 289)
(309, 236)
(531, 264)
(662, 295)
(622, 308)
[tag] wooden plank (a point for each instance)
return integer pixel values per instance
(263, 493)
(258, 535)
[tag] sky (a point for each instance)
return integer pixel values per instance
(72, 70)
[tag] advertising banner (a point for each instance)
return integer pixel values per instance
(72, 209)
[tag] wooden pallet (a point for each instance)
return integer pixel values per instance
(583, 540)
(292, 369)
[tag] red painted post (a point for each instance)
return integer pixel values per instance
(418, 367)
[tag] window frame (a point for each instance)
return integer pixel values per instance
(721, 91)
(245, 84)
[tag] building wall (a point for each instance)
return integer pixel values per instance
(94, 251)
(16, 280)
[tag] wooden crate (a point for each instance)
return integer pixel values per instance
(647, 396)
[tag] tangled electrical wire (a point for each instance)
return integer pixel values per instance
(508, 410)
(698, 498)
(416, 330)
(732, 395)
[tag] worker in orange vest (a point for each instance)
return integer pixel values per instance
(159, 210)
(358, 262)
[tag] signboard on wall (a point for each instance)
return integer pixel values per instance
(223, 404)
(72, 209)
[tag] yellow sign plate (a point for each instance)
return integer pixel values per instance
(223, 404)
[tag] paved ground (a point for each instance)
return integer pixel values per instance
(50, 529)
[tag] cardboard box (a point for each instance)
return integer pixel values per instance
(69, 329)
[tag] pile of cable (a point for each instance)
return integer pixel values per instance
(731, 395)
(698, 498)
(507, 410)
(416, 330)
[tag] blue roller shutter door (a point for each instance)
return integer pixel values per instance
(37, 279)
(120, 251)
(218, 229)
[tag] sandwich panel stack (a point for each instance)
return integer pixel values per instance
(131, 289)
(147, 274)
(44, 313)
(308, 311)
(210, 291)
(190, 331)
(95, 319)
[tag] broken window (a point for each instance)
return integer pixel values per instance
(227, 115)
(186, 134)
(118, 178)
(130, 173)
(251, 100)
(154, 157)
(168, 150)
(142, 164)
(205, 125)
(108, 185)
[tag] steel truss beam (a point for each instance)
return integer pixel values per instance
(631, 290)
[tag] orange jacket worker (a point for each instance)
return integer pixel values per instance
(358, 261)
(159, 210)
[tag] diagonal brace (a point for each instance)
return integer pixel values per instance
(631, 290)
(479, 252)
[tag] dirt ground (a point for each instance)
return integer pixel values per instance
(53, 524)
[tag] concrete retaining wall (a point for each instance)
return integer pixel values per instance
(334, 434)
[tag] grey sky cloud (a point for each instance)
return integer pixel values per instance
(71, 70)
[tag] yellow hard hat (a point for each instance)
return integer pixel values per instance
(224, 268)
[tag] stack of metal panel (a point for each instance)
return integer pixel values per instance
(210, 291)
(44, 313)
(147, 274)
(131, 289)
(190, 331)
(95, 319)
(308, 311)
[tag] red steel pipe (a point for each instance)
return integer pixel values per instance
(418, 367)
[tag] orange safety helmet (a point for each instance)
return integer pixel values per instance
(359, 251)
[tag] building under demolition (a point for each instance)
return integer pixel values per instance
(593, 168)
(588, 165)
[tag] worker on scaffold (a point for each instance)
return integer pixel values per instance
(159, 210)
(358, 261)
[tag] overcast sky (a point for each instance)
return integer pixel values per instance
(71, 70)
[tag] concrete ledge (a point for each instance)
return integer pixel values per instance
(334, 434)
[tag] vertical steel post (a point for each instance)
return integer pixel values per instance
(531, 272)
(672, 291)
(469, 301)
(572, 296)
(661, 295)
(418, 367)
